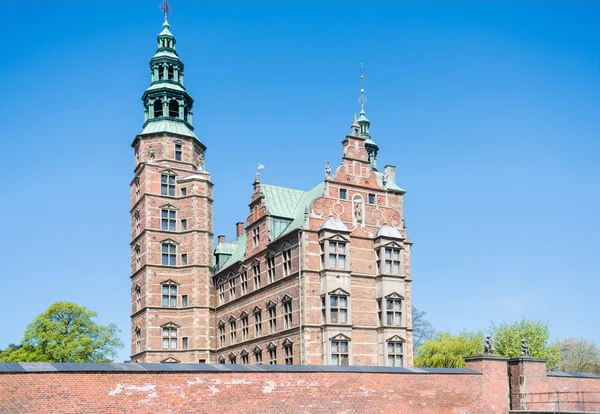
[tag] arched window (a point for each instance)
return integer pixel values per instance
(161, 72)
(173, 109)
(185, 113)
(171, 74)
(158, 108)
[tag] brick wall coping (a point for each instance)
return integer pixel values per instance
(573, 374)
(47, 367)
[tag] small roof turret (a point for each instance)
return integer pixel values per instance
(388, 231)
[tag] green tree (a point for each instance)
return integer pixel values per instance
(578, 355)
(508, 335)
(447, 351)
(66, 332)
(422, 328)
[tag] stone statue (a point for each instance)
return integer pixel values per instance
(385, 179)
(150, 153)
(525, 348)
(358, 210)
(201, 161)
(488, 346)
(327, 170)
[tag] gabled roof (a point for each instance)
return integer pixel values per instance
(281, 201)
(235, 249)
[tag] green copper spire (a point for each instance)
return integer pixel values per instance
(364, 124)
(167, 105)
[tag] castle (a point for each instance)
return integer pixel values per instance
(314, 277)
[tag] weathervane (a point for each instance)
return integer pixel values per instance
(362, 98)
(165, 8)
(259, 166)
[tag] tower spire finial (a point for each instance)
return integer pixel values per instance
(166, 9)
(362, 98)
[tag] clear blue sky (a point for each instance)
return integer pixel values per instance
(490, 111)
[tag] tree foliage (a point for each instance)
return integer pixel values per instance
(578, 355)
(508, 335)
(66, 332)
(422, 328)
(447, 351)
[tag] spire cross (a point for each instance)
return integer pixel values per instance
(165, 8)
(362, 98)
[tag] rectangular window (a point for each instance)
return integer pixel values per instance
(338, 308)
(393, 311)
(231, 289)
(258, 357)
(232, 359)
(343, 193)
(287, 314)
(244, 282)
(169, 295)
(287, 262)
(184, 191)
(395, 354)
(232, 331)
(256, 274)
(138, 297)
(222, 335)
(257, 324)
(392, 261)
(244, 320)
(138, 340)
(273, 356)
(245, 359)
(271, 268)
(183, 224)
(323, 309)
(371, 198)
(178, 152)
(337, 255)
(169, 338)
(184, 300)
(184, 259)
(288, 354)
(272, 319)
(184, 342)
(167, 219)
(221, 293)
(169, 254)
(339, 353)
(167, 185)
(256, 237)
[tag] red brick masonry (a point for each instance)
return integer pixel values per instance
(182, 388)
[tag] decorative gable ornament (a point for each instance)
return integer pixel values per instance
(340, 337)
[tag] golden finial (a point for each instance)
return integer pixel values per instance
(166, 9)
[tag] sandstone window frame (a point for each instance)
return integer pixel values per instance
(256, 274)
(340, 350)
(395, 349)
(168, 250)
(257, 312)
(221, 359)
(388, 310)
(232, 358)
(336, 260)
(169, 336)
(244, 356)
(286, 304)
(221, 291)
(272, 315)
(232, 330)
(336, 305)
(272, 350)
(286, 257)
(178, 151)
(244, 281)
(245, 326)
(256, 237)
(138, 296)
(386, 249)
(168, 183)
(271, 268)
(221, 329)
(138, 255)
(257, 351)
(288, 351)
(169, 289)
(168, 217)
(138, 339)
(185, 342)
(232, 288)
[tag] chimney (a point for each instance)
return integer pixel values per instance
(239, 229)
(390, 170)
(221, 239)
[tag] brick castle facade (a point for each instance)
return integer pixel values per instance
(314, 277)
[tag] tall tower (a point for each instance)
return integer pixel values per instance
(172, 297)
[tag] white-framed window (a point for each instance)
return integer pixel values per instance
(138, 339)
(339, 352)
(136, 216)
(221, 333)
(272, 312)
(169, 254)
(272, 348)
(232, 330)
(138, 256)
(221, 288)
(257, 355)
(178, 151)
(288, 352)
(168, 219)
(244, 282)
(395, 353)
(287, 313)
(244, 355)
(167, 184)
(392, 261)
(231, 289)
(169, 295)
(271, 268)
(287, 262)
(337, 255)
(372, 199)
(392, 312)
(338, 308)
(257, 322)
(232, 358)
(244, 322)
(137, 186)
(256, 275)
(138, 296)
(256, 236)
(169, 337)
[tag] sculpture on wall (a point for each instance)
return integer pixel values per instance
(525, 348)
(488, 346)
(150, 153)
(327, 170)
(201, 161)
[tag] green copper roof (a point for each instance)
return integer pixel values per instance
(236, 248)
(169, 85)
(165, 53)
(281, 201)
(168, 126)
(390, 186)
